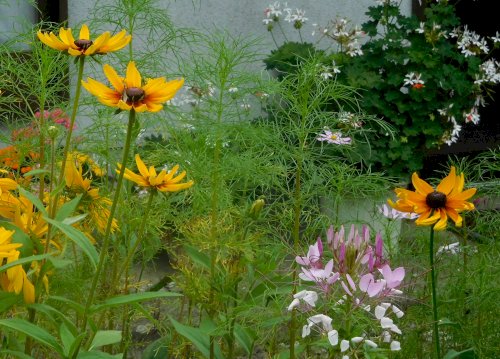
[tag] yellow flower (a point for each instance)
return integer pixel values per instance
(434, 206)
(30, 220)
(6, 247)
(163, 181)
(84, 45)
(129, 92)
(14, 279)
(92, 202)
(83, 158)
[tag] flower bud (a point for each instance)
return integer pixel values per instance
(53, 132)
(256, 208)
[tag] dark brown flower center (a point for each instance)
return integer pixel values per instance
(83, 44)
(436, 199)
(134, 94)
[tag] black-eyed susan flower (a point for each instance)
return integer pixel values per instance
(103, 44)
(163, 181)
(435, 205)
(130, 93)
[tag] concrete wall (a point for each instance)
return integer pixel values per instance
(16, 16)
(245, 16)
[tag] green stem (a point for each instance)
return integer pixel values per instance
(55, 200)
(124, 269)
(107, 233)
(78, 89)
(140, 236)
(434, 296)
(296, 244)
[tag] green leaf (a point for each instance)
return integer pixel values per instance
(67, 338)
(106, 337)
(157, 349)
(77, 307)
(19, 237)
(36, 172)
(24, 260)
(79, 238)
(464, 354)
(68, 208)
(197, 256)
(131, 298)
(74, 219)
(244, 337)
(33, 331)
(33, 199)
(7, 300)
(16, 354)
(96, 354)
(199, 338)
(59, 263)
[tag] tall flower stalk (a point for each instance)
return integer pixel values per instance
(130, 94)
(435, 320)
(434, 206)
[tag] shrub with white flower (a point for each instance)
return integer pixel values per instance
(427, 79)
(351, 294)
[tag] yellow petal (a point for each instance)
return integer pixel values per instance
(28, 291)
(153, 107)
(97, 44)
(133, 77)
(443, 220)
(420, 185)
(459, 184)
(426, 221)
(123, 105)
(141, 166)
(74, 52)
(115, 80)
(179, 177)
(462, 196)
(171, 173)
(84, 33)
(140, 108)
(175, 187)
(447, 184)
(455, 217)
(67, 37)
(116, 42)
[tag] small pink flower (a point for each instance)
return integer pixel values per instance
(334, 137)
(313, 257)
(46, 114)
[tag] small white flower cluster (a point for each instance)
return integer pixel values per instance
(296, 17)
(450, 137)
(472, 116)
(346, 38)
(470, 43)
(324, 322)
(489, 73)
(329, 72)
(193, 95)
(211, 143)
(414, 80)
(349, 119)
(274, 11)
(452, 248)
